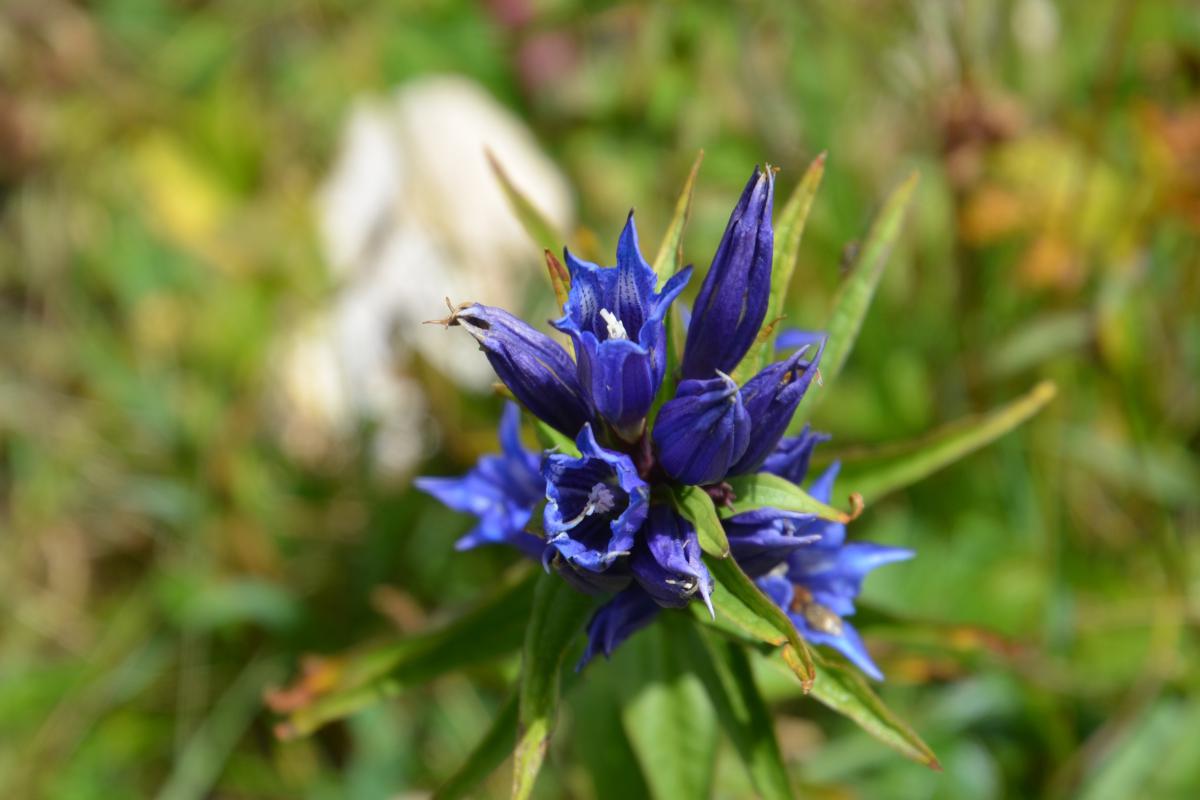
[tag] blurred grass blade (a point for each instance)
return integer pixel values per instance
(669, 719)
(202, 761)
(724, 669)
(670, 253)
(856, 292)
(337, 687)
(736, 596)
(556, 619)
(694, 504)
(543, 232)
(764, 490)
(789, 229)
(847, 692)
(897, 466)
(490, 753)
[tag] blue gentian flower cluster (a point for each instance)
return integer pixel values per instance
(604, 528)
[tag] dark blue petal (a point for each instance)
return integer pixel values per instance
(771, 398)
(653, 335)
(763, 539)
(538, 371)
(666, 560)
(733, 299)
(792, 455)
(702, 430)
(636, 279)
(623, 384)
(502, 490)
(617, 620)
(595, 504)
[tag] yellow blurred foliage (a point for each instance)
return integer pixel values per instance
(185, 203)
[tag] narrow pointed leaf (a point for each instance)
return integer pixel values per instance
(670, 253)
(725, 670)
(668, 717)
(764, 490)
(694, 504)
(490, 753)
(555, 621)
(543, 232)
(560, 279)
(894, 467)
(857, 290)
(338, 687)
(844, 690)
(737, 596)
(789, 229)
(551, 439)
(669, 261)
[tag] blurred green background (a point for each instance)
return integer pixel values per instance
(166, 555)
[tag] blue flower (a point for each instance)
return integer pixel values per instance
(538, 371)
(618, 619)
(771, 398)
(502, 490)
(615, 318)
(792, 455)
(733, 299)
(702, 431)
(602, 534)
(762, 539)
(817, 584)
(666, 560)
(595, 505)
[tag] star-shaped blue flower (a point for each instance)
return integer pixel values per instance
(502, 491)
(615, 318)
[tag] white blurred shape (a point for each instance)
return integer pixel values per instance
(1035, 25)
(410, 214)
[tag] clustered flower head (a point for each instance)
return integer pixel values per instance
(608, 525)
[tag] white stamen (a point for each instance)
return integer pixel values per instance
(616, 328)
(600, 500)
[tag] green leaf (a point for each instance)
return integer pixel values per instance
(694, 504)
(897, 466)
(670, 253)
(337, 687)
(541, 230)
(551, 439)
(764, 490)
(668, 717)
(557, 617)
(490, 753)
(725, 670)
(737, 597)
(613, 768)
(789, 229)
(856, 292)
(669, 261)
(844, 690)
